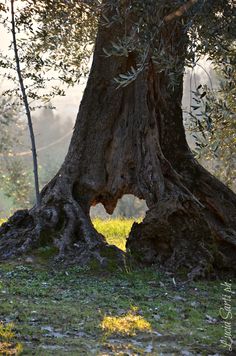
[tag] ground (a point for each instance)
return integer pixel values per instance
(82, 311)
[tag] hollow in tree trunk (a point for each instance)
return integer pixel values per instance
(131, 141)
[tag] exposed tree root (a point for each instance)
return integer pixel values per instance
(188, 229)
(176, 235)
(68, 229)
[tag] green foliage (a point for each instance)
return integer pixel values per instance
(213, 29)
(14, 179)
(59, 36)
(8, 120)
(206, 28)
(16, 183)
(214, 119)
(55, 41)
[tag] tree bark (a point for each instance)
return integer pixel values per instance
(132, 141)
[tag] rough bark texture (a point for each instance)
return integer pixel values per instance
(132, 141)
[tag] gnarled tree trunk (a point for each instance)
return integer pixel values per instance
(132, 141)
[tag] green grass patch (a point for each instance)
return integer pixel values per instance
(8, 346)
(76, 310)
(79, 311)
(116, 230)
(2, 221)
(129, 324)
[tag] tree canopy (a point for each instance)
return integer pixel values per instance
(57, 37)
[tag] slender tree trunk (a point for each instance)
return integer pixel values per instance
(26, 104)
(132, 141)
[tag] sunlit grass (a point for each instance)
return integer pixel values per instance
(2, 221)
(128, 324)
(6, 331)
(115, 231)
(7, 345)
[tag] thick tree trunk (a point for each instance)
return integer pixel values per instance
(132, 141)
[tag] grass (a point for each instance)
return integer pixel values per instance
(76, 311)
(116, 230)
(7, 344)
(129, 324)
(2, 221)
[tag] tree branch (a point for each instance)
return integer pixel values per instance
(181, 10)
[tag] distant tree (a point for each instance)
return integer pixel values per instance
(14, 180)
(16, 184)
(215, 123)
(131, 207)
(129, 138)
